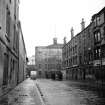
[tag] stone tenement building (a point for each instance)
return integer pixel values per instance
(99, 43)
(84, 54)
(12, 47)
(22, 56)
(48, 58)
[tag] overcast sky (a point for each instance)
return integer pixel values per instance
(42, 20)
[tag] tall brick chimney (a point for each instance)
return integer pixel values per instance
(64, 40)
(72, 32)
(82, 24)
(54, 40)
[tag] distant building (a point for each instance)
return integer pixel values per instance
(48, 58)
(29, 69)
(31, 60)
(31, 65)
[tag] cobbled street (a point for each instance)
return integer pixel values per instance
(53, 92)
(69, 93)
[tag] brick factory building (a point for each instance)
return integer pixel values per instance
(48, 58)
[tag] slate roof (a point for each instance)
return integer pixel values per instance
(55, 46)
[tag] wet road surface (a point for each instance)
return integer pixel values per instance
(24, 94)
(69, 93)
(53, 93)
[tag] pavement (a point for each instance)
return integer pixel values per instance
(4, 90)
(26, 93)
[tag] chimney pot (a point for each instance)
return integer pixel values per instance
(82, 24)
(54, 40)
(72, 32)
(64, 40)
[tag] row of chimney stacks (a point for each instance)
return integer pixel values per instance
(72, 30)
